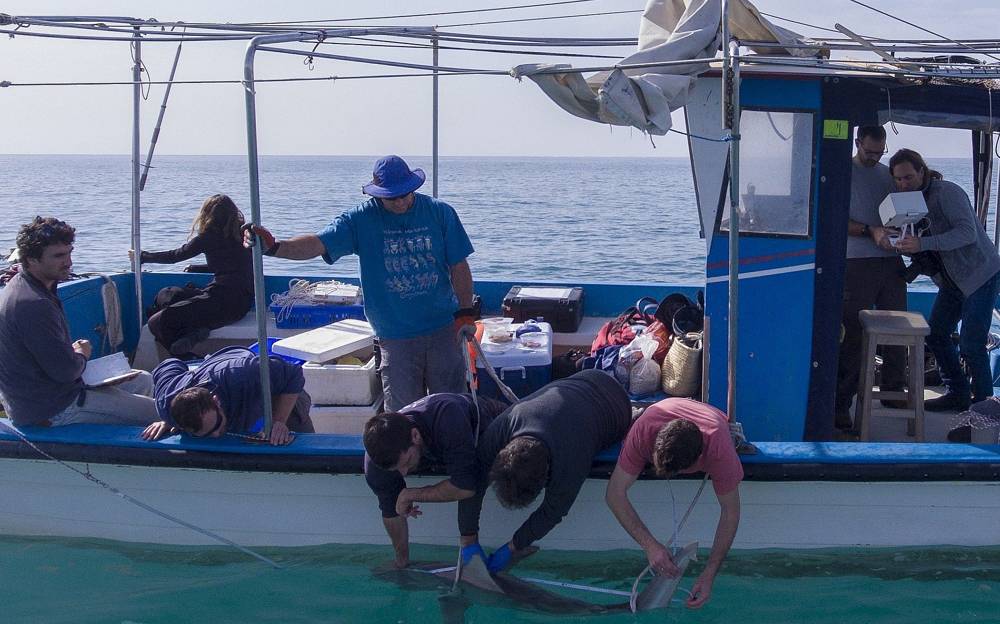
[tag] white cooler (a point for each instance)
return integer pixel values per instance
(524, 369)
(343, 384)
(343, 419)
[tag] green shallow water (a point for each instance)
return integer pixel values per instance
(80, 581)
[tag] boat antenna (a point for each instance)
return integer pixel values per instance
(138, 503)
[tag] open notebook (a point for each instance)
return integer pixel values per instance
(108, 371)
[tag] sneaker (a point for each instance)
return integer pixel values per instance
(947, 403)
(186, 344)
(962, 433)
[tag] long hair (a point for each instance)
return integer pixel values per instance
(917, 161)
(219, 212)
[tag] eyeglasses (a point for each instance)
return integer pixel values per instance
(875, 152)
(211, 432)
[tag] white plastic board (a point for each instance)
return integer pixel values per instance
(330, 341)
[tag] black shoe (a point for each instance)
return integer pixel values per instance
(186, 344)
(947, 403)
(961, 433)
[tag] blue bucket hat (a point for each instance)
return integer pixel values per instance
(392, 177)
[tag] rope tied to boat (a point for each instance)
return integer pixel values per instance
(138, 503)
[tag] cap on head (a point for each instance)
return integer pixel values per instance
(392, 177)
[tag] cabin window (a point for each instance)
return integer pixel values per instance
(775, 173)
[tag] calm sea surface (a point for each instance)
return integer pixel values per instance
(543, 218)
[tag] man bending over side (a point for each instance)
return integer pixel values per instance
(549, 441)
(224, 394)
(680, 436)
(437, 429)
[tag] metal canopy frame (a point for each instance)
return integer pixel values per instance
(268, 37)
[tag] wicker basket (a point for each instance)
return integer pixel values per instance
(681, 370)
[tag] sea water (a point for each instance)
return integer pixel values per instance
(79, 582)
(567, 219)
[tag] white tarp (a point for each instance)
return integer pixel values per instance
(670, 30)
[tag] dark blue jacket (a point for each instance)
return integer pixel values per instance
(233, 375)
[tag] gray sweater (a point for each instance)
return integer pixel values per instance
(955, 232)
(39, 371)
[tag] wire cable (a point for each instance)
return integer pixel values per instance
(899, 19)
(541, 19)
(434, 14)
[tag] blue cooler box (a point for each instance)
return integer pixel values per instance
(521, 364)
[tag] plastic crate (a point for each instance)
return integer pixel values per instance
(255, 348)
(310, 316)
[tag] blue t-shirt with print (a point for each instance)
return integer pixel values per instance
(405, 262)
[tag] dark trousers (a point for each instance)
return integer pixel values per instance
(214, 307)
(976, 314)
(868, 283)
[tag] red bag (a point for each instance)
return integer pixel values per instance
(663, 337)
(619, 331)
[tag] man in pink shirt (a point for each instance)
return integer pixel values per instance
(680, 436)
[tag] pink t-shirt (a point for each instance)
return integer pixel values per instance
(718, 459)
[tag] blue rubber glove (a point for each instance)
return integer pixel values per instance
(500, 559)
(472, 550)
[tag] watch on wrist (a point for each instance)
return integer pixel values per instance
(865, 230)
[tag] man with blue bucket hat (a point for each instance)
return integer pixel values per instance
(416, 281)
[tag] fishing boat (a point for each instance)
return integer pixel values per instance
(790, 108)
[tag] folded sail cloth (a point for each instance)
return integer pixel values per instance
(670, 30)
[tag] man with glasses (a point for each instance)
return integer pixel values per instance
(417, 283)
(40, 365)
(873, 277)
(223, 395)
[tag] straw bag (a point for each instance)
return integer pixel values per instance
(681, 370)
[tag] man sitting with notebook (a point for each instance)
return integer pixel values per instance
(40, 365)
(224, 395)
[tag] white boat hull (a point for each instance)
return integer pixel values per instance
(43, 498)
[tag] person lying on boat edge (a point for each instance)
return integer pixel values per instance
(967, 274)
(437, 429)
(417, 284)
(680, 436)
(215, 232)
(40, 366)
(873, 276)
(549, 440)
(223, 395)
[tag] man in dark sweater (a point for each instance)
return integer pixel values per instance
(40, 366)
(549, 441)
(437, 429)
(223, 394)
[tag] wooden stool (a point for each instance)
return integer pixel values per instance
(904, 329)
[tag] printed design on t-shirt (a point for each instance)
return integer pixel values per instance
(410, 266)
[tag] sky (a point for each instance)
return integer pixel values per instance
(480, 116)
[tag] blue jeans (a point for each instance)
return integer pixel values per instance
(414, 367)
(976, 314)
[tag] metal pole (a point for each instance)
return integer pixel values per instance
(159, 119)
(434, 122)
(136, 231)
(731, 121)
(258, 257)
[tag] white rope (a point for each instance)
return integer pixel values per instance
(89, 477)
(113, 334)
(634, 594)
(300, 292)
